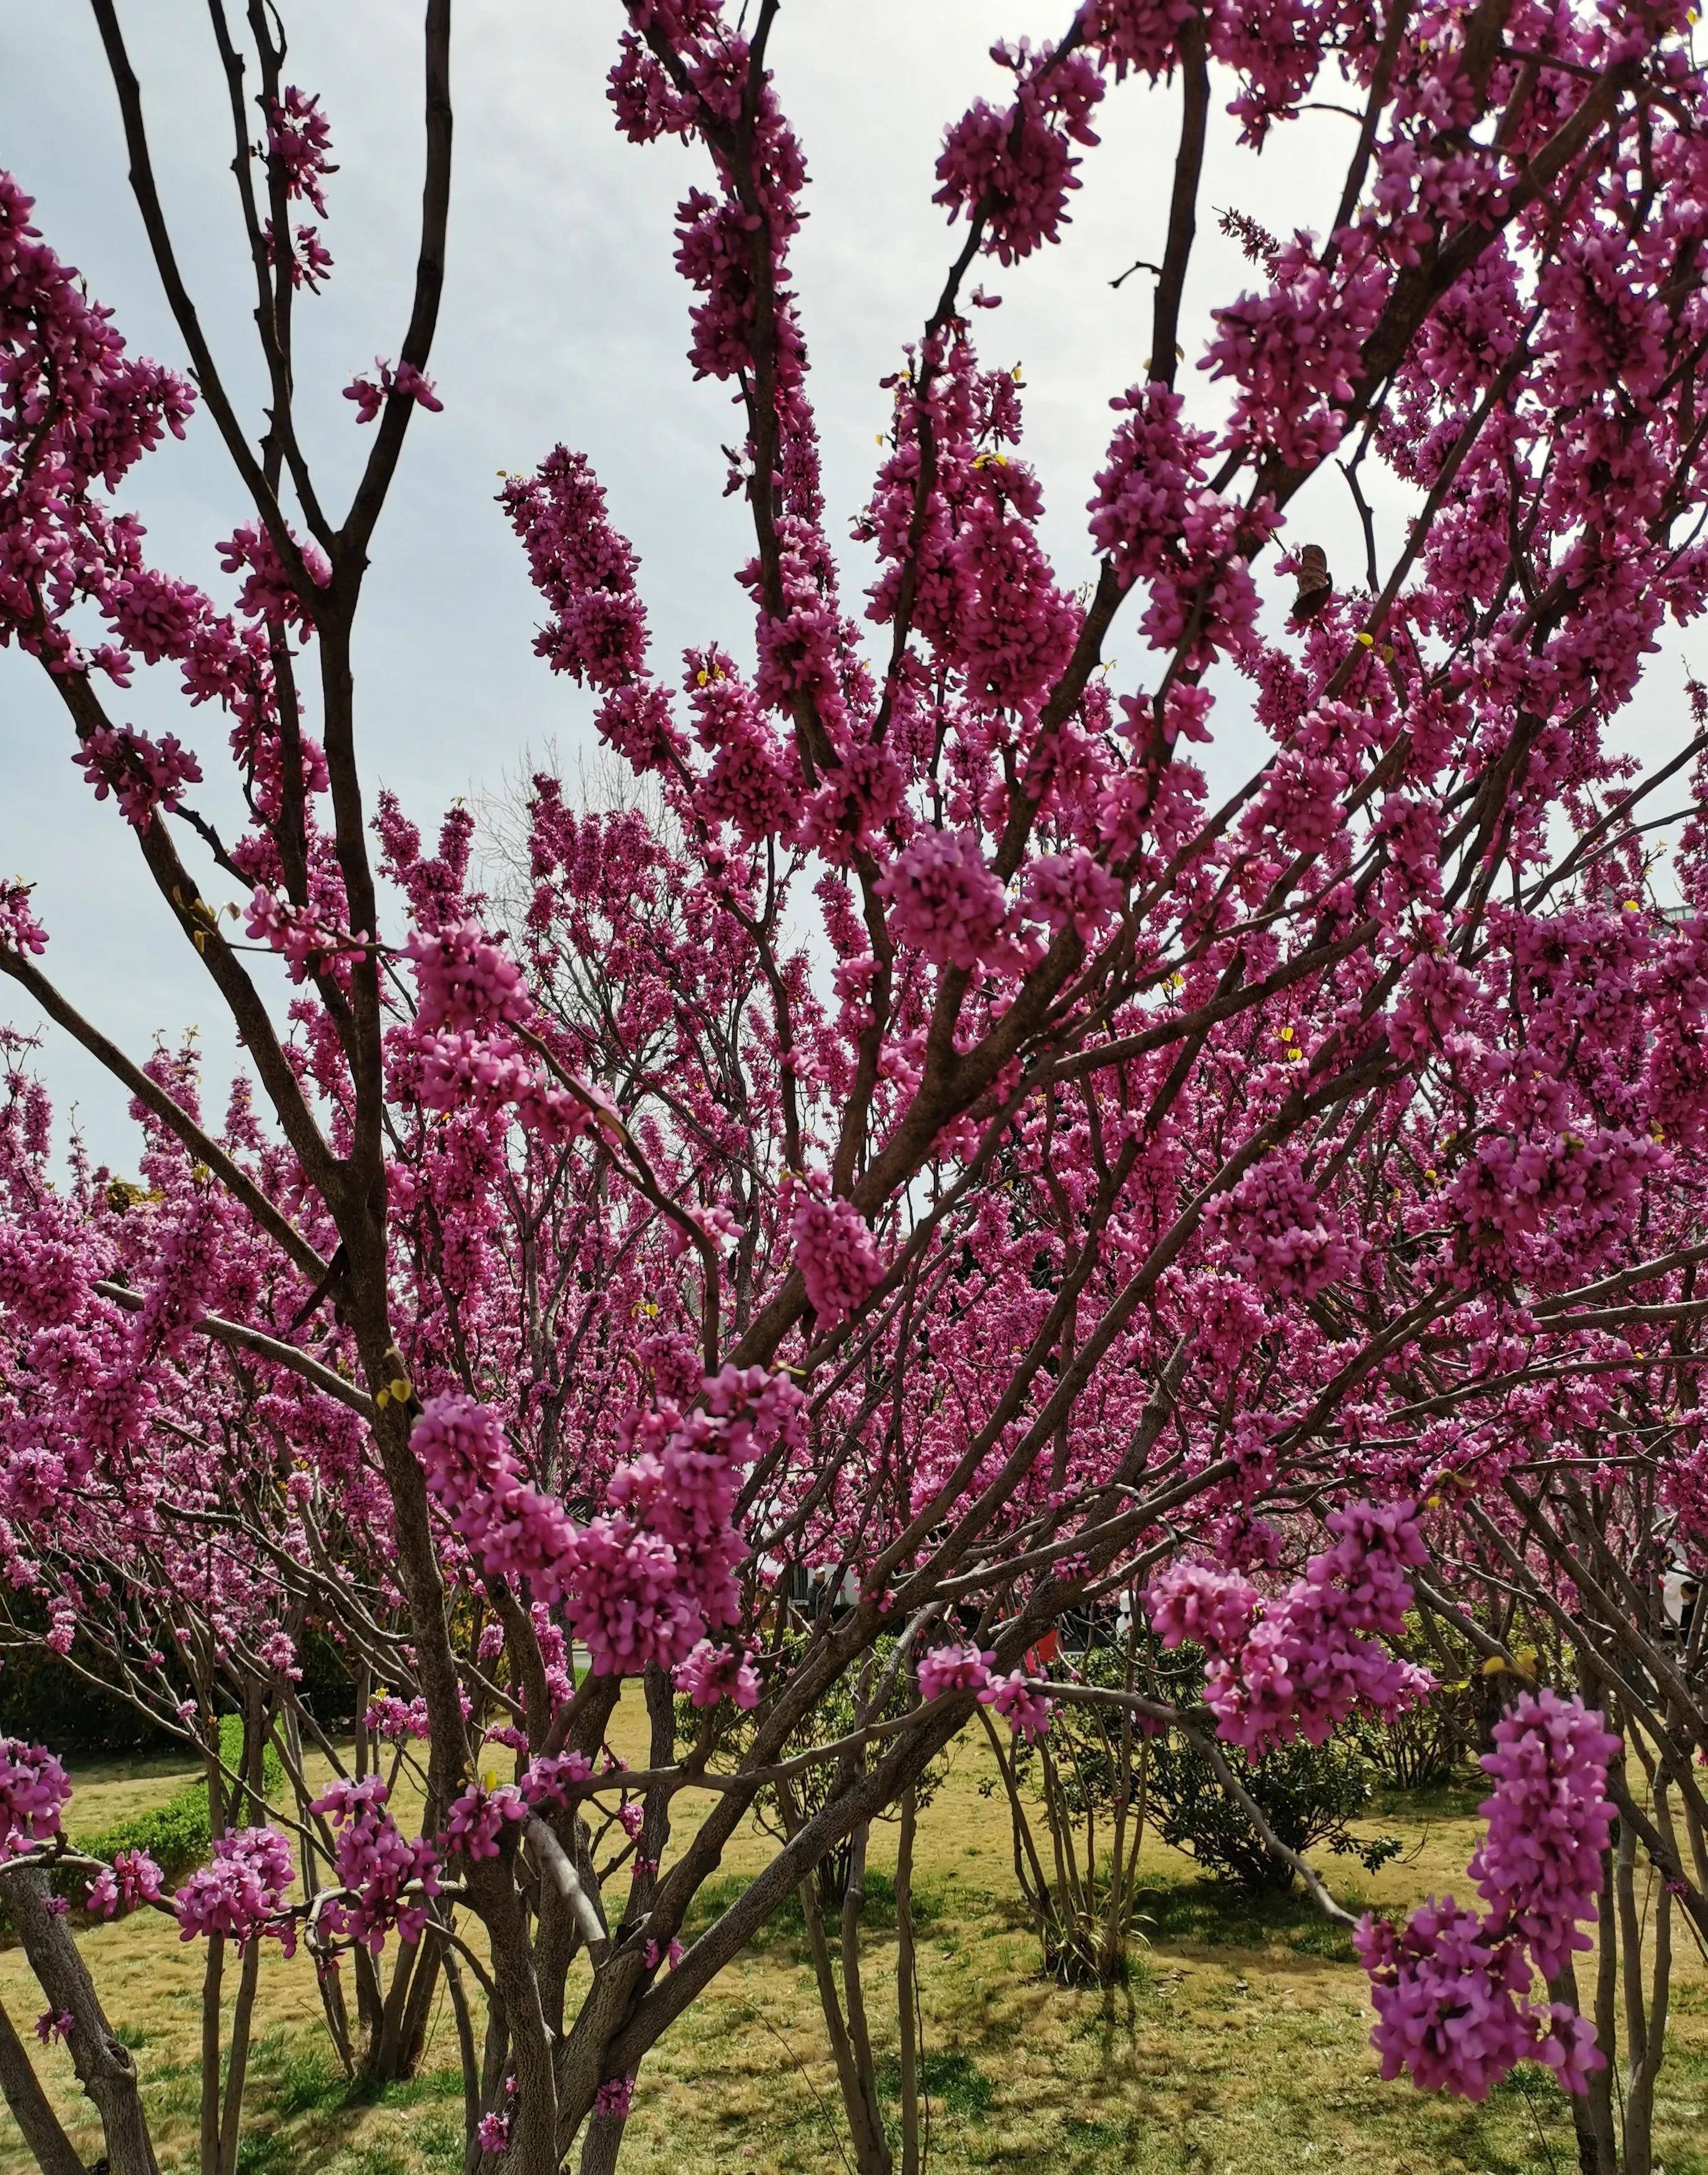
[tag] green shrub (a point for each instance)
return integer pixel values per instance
(1307, 1794)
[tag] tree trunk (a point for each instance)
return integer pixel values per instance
(907, 2004)
(105, 2068)
(604, 2141)
(37, 2123)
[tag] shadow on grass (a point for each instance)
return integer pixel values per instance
(953, 2082)
(1216, 1914)
(787, 1925)
(306, 2110)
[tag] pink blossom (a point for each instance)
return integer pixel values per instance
(1027, 1712)
(463, 980)
(299, 137)
(946, 901)
(1452, 2006)
(711, 1674)
(18, 927)
(837, 1257)
(1015, 167)
(614, 2096)
(386, 1879)
(405, 382)
(953, 1669)
(241, 1894)
(132, 1878)
(475, 1823)
(1213, 1609)
(1539, 1867)
(33, 1790)
(514, 1529)
(141, 774)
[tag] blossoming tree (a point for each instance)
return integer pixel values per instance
(942, 1148)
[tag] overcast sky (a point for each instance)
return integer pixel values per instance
(563, 319)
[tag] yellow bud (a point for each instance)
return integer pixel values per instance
(1387, 653)
(400, 1389)
(1367, 640)
(1495, 1666)
(1294, 1057)
(699, 678)
(1431, 1175)
(1631, 907)
(879, 440)
(383, 1397)
(1287, 1035)
(489, 1779)
(1527, 1660)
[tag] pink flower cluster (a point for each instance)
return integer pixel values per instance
(647, 1579)
(268, 591)
(713, 1673)
(464, 979)
(1142, 34)
(1014, 167)
(1450, 1987)
(492, 2133)
(376, 1866)
(1073, 891)
(241, 1893)
(132, 1878)
(1451, 2006)
(513, 1530)
(395, 1719)
(1297, 1665)
(953, 1669)
(945, 902)
(475, 1823)
(1195, 1601)
(405, 382)
(19, 930)
(1280, 1233)
(967, 1669)
(307, 941)
(1294, 352)
(656, 1574)
(1157, 520)
(837, 1257)
(299, 136)
(615, 2097)
(1027, 1712)
(551, 1781)
(34, 1788)
(140, 773)
(1549, 1820)
(583, 569)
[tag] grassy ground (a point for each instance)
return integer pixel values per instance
(1241, 2046)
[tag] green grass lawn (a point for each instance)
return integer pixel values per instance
(1239, 2047)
